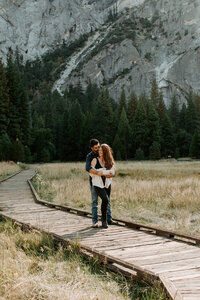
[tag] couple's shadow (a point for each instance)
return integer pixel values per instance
(86, 232)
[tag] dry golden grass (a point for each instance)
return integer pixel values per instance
(165, 193)
(32, 267)
(7, 169)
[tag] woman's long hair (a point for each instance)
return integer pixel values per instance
(107, 156)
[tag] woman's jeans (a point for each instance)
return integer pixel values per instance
(104, 194)
(95, 195)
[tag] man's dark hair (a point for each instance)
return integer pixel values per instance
(93, 142)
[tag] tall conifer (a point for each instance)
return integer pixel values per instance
(174, 112)
(168, 143)
(154, 131)
(123, 133)
(75, 125)
(195, 145)
(19, 110)
(183, 117)
(191, 115)
(155, 96)
(139, 130)
(132, 106)
(4, 101)
(14, 129)
(122, 103)
(161, 108)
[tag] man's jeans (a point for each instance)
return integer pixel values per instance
(95, 206)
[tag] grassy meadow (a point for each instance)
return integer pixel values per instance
(8, 168)
(163, 193)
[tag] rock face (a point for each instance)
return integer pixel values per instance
(166, 47)
(152, 39)
(37, 26)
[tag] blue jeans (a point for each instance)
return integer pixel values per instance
(95, 206)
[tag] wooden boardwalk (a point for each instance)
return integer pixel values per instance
(175, 263)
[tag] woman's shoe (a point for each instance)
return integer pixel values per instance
(104, 224)
(95, 225)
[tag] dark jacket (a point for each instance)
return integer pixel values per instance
(89, 159)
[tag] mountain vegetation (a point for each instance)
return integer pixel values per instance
(37, 125)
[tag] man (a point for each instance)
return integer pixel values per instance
(94, 145)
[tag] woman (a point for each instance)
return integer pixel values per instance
(105, 165)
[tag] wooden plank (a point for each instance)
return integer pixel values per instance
(181, 274)
(166, 244)
(147, 243)
(48, 215)
(180, 265)
(143, 251)
(171, 288)
(119, 242)
(162, 258)
(26, 212)
(111, 237)
(190, 297)
(125, 271)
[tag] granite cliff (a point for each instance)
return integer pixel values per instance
(130, 43)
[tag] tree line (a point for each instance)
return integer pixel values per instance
(37, 125)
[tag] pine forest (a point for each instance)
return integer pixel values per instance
(37, 125)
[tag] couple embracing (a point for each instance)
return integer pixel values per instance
(101, 167)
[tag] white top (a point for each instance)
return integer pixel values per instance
(97, 180)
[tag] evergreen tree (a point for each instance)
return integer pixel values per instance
(122, 103)
(195, 145)
(75, 125)
(183, 142)
(154, 130)
(91, 95)
(27, 155)
(132, 106)
(86, 134)
(24, 117)
(5, 147)
(107, 116)
(123, 133)
(168, 143)
(98, 120)
(161, 108)
(154, 151)
(103, 118)
(191, 115)
(18, 151)
(174, 113)
(14, 129)
(42, 139)
(4, 101)
(143, 100)
(139, 154)
(19, 111)
(65, 137)
(139, 130)
(197, 103)
(183, 117)
(116, 146)
(114, 125)
(45, 156)
(155, 96)
(197, 106)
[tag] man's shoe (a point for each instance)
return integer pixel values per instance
(111, 222)
(95, 225)
(104, 224)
